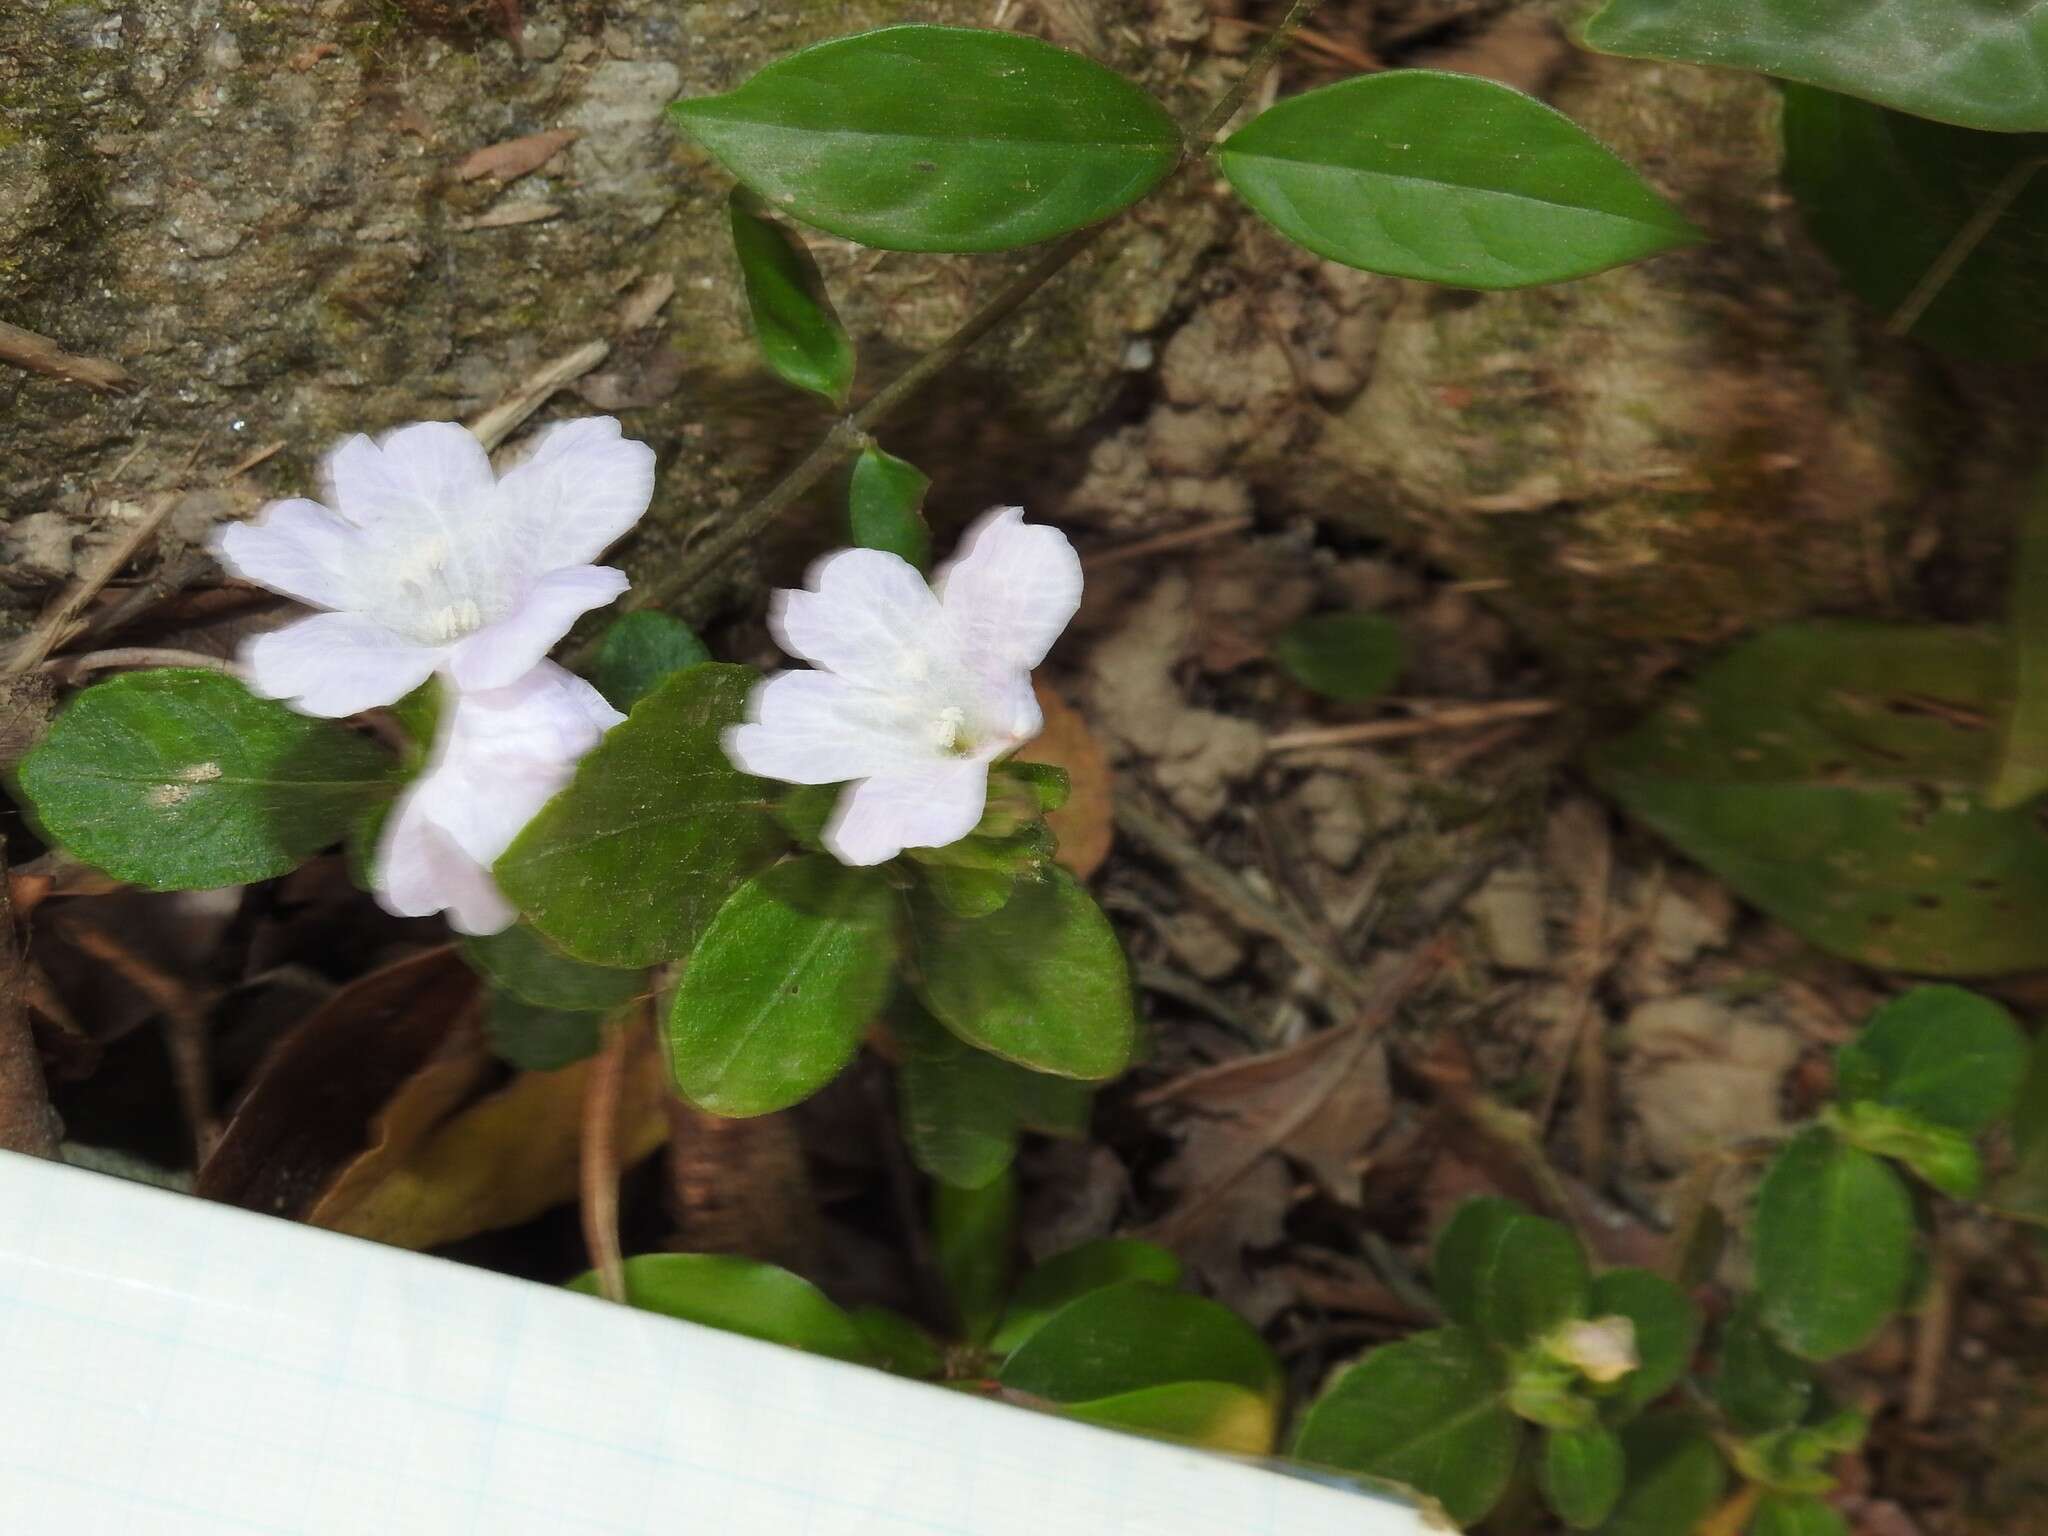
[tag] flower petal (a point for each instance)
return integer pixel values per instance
(434, 473)
(335, 664)
(1010, 590)
(421, 871)
(879, 817)
(295, 547)
(817, 728)
(578, 493)
(869, 617)
(499, 654)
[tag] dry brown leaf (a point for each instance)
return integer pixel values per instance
(502, 1160)
(514, 158)
(1083, 824)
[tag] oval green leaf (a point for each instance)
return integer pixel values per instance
(1449, 178)
(627, 865)
(740, 1296)
(1973, 62)
(1071, 1275)
(1834, 1245)
(920, 138)
(1667, 1325)
(974, 1239)
(537, 1038)
(1510, 1274)
(518, 960)
(1758, 1383)
(184, 780)
(1797, 1515)
(1581, 1474)
(1042, 982)
(884, 506)
(1347, 656)
(1211, 1414)
(1675, 1477)
(1135, 1335)
(962, 1109)
(1948, 1055)
(779, 991)
(639, 653)
(1429, 1412)
(795, 325)
(899, 1345)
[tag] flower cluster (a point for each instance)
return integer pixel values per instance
(428, 563)
(917, 689)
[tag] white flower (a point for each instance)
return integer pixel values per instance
(430, 561)
(500, 755)
(918, 688)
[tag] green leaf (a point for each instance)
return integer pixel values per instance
(1796, 1515)
(1581, 1474)
(1068, 1276)
(1041, 982)
(963, 1109)
(183, 780)
(1886, 196)
(1446, 177)
(1974, 62)
(2022, 768)
(920, 138)
(1211, 1414)
(1945, 1158)
(1796, 1459)
(968, 892)
(1947, 1055)
(1675, 1477)
(2024, 1191)
(1667, 1325)
(1348, 656)
(740, 1296)
(779, 991)
(899, 1345)
(794, 322)
(1758, 1383)
(1826, 771)
(1429, 1412)
(639, 653)
(537, 1038)
(1834, 1245)
(884, 506)
(627, 865)
(518, 960)
(1512, 1275)
(974, 1235)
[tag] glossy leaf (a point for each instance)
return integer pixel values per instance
(1834, 1245)
(1508, 1273)
(1581, 1474)
(1071, 1275)
(1974, 62)
(918, 138)
(963, 1109)
(1347, 656)
(899, 1345)
(1042, 982)
(1445, 177)
(1211, 1414)
(1830, 772)
(1948, 1055)
(1945, 1158)
(794, 323)
(639, 653)
(778, 993)
(740, 1296)
(518, 960)
(885, 506)
(182, 780)
(1887, 196)
(974, 1237)
(1429, 1412)
(1796, 1515)
(1675, 1476)
(537, 1038)
(1758, 1383)
(627, 865)
(1667, 1326)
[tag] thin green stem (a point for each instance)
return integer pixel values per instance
(849, 436)
(1963, 246)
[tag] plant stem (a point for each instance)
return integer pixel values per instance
(1963, 246)
(849, 436)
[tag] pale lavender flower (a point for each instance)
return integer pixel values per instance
(918, 689)
(500, 755)
(429, 561)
